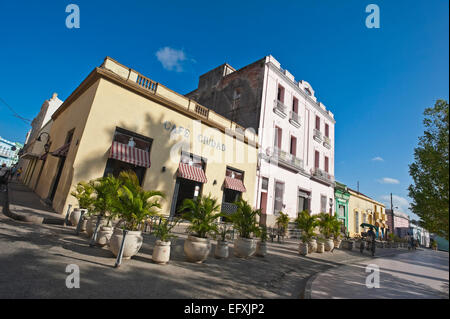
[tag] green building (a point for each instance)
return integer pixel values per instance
(341, 196)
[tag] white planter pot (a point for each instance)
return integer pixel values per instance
(337, 243)
(133, 242)
(329, 244)
(91, 223)
(244, 247)
(197, 249)
(303, 249)
(83, 225)
(261, 249)
(312, 246)
(221, 250)
(75, 216)
(161, 252)
(320, 248)
(104, 235)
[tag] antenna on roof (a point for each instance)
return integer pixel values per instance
(357, 186)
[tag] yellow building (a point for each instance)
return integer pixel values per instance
(118, 119)
(363, 209)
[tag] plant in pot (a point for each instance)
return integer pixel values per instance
(222, 237)
(282, 222)
(83, 193)
(244, 220)
(162, 231)
(202, 213)
(336, 231)
(321, 244)
(307, 224)
(261, 245)
(133, 205)
(106, 191)
(326, 226)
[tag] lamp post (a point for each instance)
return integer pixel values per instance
(47, 144)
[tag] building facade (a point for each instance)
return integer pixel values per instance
(365, 210)
(420, 234)
(118, 119)
(39, 135)
(342, 196)
(398, 222)
(9, 152)
(296, 134)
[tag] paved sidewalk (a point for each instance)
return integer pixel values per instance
(25, 205)
(420, 274)
(33, 260)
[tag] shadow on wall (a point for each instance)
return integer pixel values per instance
(155, 178)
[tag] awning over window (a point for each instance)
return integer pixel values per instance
(62, 151)
(191, 172)
(234, 184)
(128, 154)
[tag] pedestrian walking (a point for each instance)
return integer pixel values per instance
(19, 172)
(4, 175)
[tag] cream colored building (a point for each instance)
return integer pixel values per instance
(118, 119)
(363, 209)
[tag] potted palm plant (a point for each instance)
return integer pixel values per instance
(133, 205)
(106, 191)
(261, 245)
(244, 220)
(161, 251)
(222, 237)
(83, 193)
(326, 224)
(282, 222)
(202, 214)
(307, 224)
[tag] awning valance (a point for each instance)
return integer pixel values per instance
(43, 157)
(129, 154)
(62, 151)
(191, 172)
(234, 184)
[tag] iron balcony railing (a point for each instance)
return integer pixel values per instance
(228, 208)
(317, 135)
(288, 159)
(279, 108)
(326, 141)
(322, 175)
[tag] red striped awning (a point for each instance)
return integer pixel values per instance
(129, 154)
(234, 184)
(62, 151)
(191, 172)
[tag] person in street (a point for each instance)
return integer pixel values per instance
(371, 235)
(4, 174)
(19, 172)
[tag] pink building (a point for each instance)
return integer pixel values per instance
(398, 222)
(296, 133)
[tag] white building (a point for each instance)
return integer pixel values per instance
(34, 148)
(296, 133)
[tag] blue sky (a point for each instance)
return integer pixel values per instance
(377, 82)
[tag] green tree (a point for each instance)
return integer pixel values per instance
(430, 171)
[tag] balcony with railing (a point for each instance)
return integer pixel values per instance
(287, 160)
(5, 153)
(294, 119)
(322, 176)
(326, 142)
(279, 108)
(317, 135)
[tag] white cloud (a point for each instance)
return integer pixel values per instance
(388, 180)
(378, 159)
(401, 202)
(171, 58)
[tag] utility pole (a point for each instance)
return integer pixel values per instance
(357, 186)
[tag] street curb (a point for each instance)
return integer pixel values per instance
(29, 218)
(351, 261)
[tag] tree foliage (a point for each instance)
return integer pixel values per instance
(202, 213)
(430, 171)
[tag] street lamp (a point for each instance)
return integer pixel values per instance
(47, 144)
